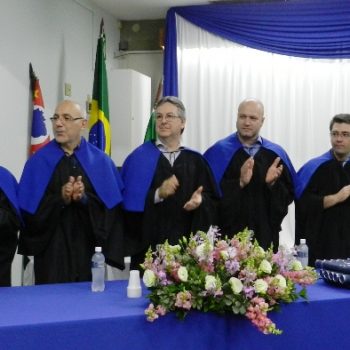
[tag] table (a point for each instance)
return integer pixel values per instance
(70, 316)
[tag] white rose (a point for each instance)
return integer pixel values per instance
(265, 266)
(296, 265)
(280, 281)
(236, 285)
(149, 278)
(260, 286)
(210, 283)
(182, 273)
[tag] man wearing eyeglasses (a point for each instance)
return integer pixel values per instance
(169, 190)
(69, 194)
(323, 205)
(255, 176)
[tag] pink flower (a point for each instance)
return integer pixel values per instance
(183, 300)
(207, 267)
(161, 310)
(302, 277)
(283, 258)
(257, 313)
(221, 251)
(151, 313)
(247, 275)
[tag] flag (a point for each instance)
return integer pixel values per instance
(39, 138)
(39, 134)
(99, 128)
(151, 133)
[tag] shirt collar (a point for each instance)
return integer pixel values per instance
(163, 148)
(76, 148)
(258, 142)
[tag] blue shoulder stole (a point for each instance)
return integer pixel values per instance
(137, 174)
(98, 167)
(221, 153)
(308, 169)
(9, 186)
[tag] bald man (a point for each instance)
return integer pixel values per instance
(255, 176)
(69, 195)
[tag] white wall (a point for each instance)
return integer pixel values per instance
(59, 38)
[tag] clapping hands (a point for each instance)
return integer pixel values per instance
(272, 174)
(195, 201)
(73, 190)
(169, 187)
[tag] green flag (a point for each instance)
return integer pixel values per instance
(151, 134)
(100, 132)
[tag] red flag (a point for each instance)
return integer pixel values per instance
(39, 135)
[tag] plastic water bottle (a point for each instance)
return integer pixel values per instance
(303, 253)
(98, 271)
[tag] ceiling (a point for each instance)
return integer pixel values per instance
(129, 10)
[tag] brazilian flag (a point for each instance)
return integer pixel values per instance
(151, 134)
(99, 128)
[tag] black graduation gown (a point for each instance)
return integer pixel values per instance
(327, 231)
(168, 220)
(256, 206)
(9, 226)
(62, 237)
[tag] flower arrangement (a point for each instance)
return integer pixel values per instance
(227, 275)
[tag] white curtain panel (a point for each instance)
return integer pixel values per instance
(300, 96)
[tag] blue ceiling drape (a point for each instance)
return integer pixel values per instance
(303, 28)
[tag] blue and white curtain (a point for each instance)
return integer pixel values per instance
(293, 55)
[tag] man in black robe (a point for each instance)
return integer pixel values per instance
(9, 224)
(169, 189)
(255, 176)
(323, 205)
(69, 194)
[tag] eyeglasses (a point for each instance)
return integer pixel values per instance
(65, 118)
(343, 135)
(167, 117)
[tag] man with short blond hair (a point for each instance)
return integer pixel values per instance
(169, 189)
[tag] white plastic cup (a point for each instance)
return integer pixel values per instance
(134, 289)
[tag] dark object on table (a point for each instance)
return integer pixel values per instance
(335, 271)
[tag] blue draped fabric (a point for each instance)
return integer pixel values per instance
(69, 316)
(303, 28)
